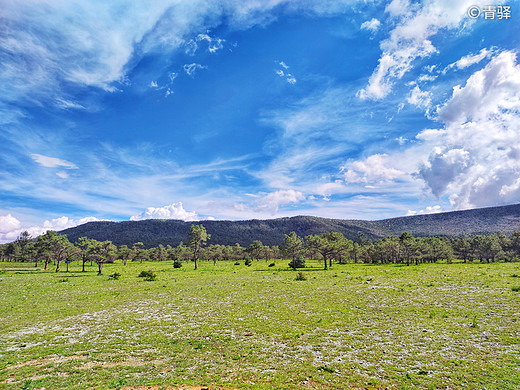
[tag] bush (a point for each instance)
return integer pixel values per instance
(237, 262)
(115, 275)
(516, 288)
(299, 262)
(177, 264)
(248, 262)
(301, 276)
(148, 275)
(271, 265)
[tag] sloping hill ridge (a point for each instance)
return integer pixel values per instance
(152, 232)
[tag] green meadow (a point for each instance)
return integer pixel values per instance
(432, 326)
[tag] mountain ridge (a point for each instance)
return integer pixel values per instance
(152, 232)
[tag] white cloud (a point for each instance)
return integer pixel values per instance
(172, 211)
(8, 223)
(398, 7)
(410, 39)
(52, 162)
(191, 68)
(430, 134)
(470, 59)
(153, 84)
(429, 210)
(191, 47)
(272, 201)
(371, 25)
(66, 104)
(282, 73)
(402, 140)
(420, 99)
(475, 159)
(172, 76)
(11, 228)
(62, 174)
(374, 169)
(490, 91)
(426, 77)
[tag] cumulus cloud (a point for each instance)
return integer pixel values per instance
(410, 39)
(8, 223)
(52, 162)
(374, 169)
(172, 211)
(475, 157)
(11, 228)
(428, 210)
(371, 25)
(272, 201)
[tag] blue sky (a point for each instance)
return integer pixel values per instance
(242, 109)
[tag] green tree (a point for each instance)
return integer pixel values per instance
(292, 247)
(197, 239)
(255, 249)
(85, 246)
(124, 253)
(57, 245)
(25, 242)
(330, 246)
(104, 252)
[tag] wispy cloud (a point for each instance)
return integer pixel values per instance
(190, 69)
(52, 162)
(470, 59)
(416, 23)
(284, 74)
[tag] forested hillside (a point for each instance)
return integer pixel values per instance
(504, 219)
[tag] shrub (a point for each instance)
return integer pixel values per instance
(299, 262)
(516, 288)
(248, 262)
(148, 275)
(301, 276)
(177, 264)
(271, 265)
(237, 262)
(115, 275)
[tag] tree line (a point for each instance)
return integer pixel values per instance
(330, 248)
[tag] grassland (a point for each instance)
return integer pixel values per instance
(449, 326)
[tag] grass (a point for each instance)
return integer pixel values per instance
(433, 326)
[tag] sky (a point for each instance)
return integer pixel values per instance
(254, 109)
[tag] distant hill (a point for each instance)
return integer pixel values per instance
(152, 232)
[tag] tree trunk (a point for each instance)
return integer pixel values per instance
(83, 266)
(325, 261)
(58, 266)
(100, 267)
(195, 263)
